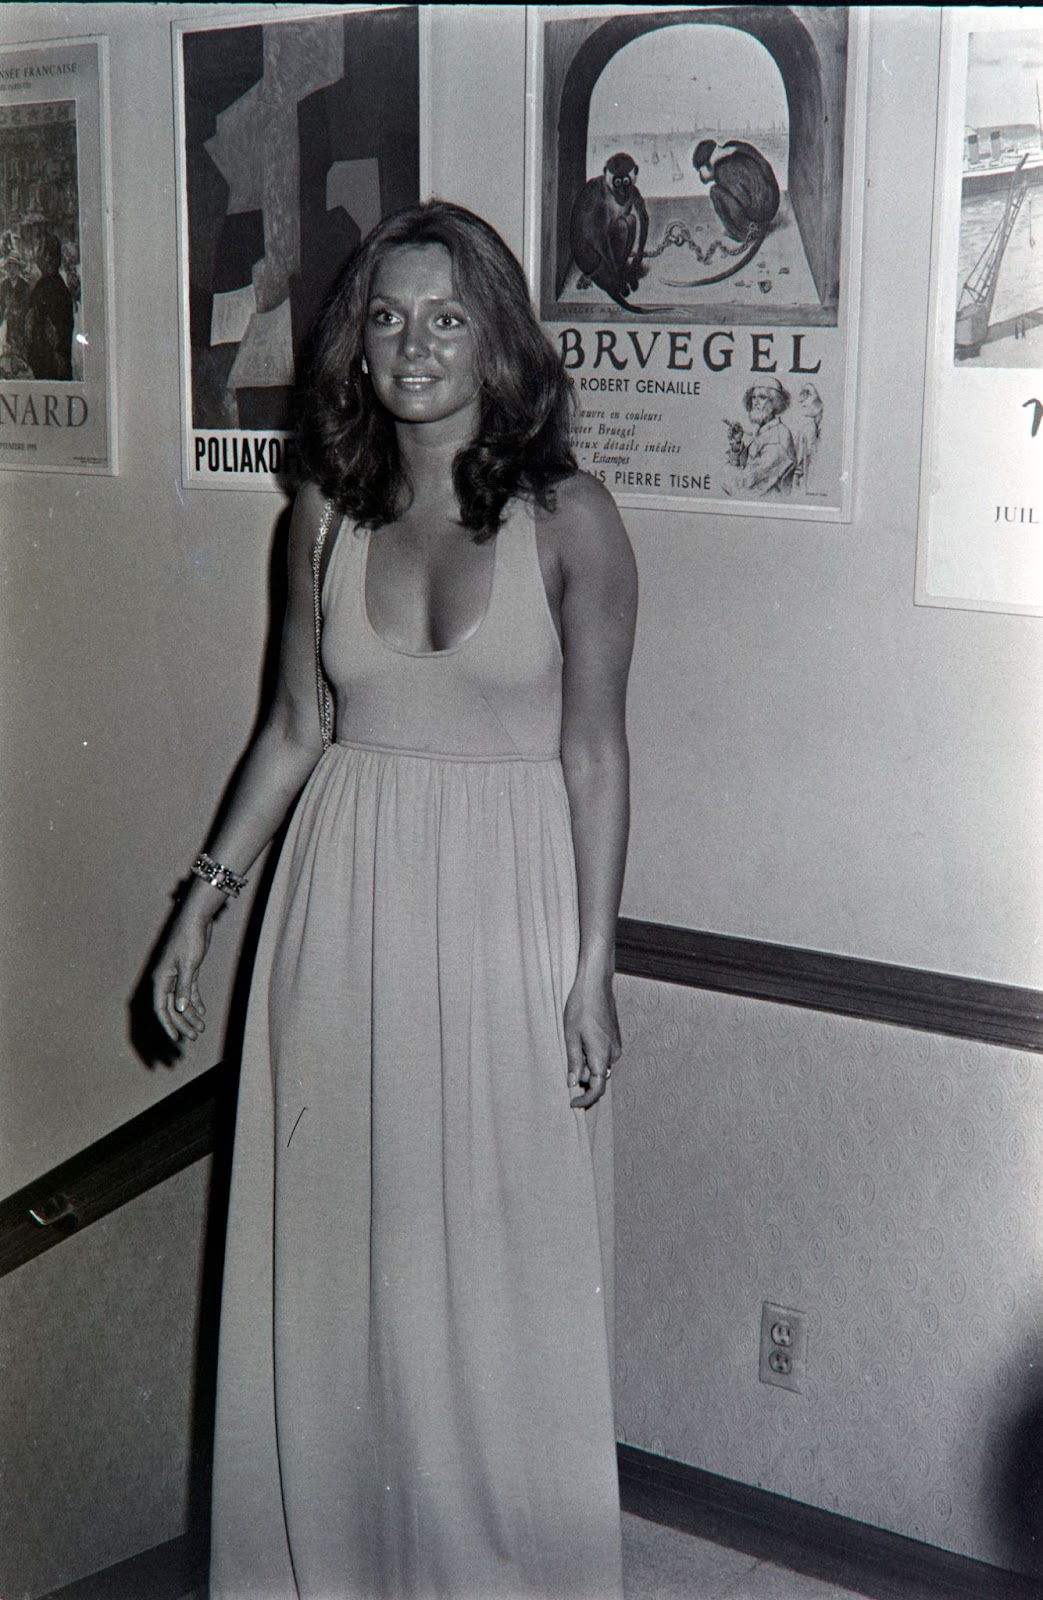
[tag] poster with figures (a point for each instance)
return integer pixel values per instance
(56, 409)
(692, 235)
(295, 136)
(980, 542)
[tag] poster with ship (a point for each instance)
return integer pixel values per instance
(692, 222)
(980, 543)
(298, 130)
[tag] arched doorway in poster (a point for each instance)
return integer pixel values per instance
(718, 108)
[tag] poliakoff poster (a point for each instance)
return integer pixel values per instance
(295, 137)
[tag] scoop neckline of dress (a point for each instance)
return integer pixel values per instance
(426, 655)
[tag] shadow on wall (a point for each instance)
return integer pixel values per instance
(147, 1038)
(1018, 1503)
(155, 1050)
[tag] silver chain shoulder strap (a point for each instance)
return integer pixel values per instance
(322, 687)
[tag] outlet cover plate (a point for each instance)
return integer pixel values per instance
(783, 1347)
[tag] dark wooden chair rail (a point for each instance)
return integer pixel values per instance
(184, 1125)
(906, 997)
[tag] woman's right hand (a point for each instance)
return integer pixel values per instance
(175, 979)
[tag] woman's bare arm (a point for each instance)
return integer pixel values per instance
(280, 758)
(598, 612)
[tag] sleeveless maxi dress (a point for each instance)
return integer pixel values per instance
(414, 1397)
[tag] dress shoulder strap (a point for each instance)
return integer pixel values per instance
(320, 557)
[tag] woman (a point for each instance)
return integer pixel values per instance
(414, 1395)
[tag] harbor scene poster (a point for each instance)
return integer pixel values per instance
(980, 543)
(1000, 259)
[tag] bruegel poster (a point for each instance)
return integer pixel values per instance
(980, 544)
(691, 234)
(56, 412)
(295, 137)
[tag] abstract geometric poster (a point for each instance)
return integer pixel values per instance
(980, 544)
(692, 221)
(296, 138)
(55, 349)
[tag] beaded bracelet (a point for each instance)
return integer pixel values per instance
(219, 877)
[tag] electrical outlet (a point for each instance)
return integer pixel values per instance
(783, 1350)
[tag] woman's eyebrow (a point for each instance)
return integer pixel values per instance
(432, 300)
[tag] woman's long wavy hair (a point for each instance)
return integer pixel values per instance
(521, 448)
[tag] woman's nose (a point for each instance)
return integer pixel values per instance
(415, 340)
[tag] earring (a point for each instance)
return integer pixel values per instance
(365, 367)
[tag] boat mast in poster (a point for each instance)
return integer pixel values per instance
(295, 138)
(980, 542)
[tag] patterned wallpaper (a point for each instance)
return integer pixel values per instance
(97, 1364)
(888, 1184)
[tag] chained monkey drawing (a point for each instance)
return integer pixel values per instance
(745, 195)
(608, 230)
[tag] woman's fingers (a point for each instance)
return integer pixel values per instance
(163, 984)
(176, 999)
(160, 1009)
(188, 1014)
(177, 1004)
(575, 1057)
(592, 1043)
(591, 1075)
(182, 1020)
(596, 1086)
(197, 998)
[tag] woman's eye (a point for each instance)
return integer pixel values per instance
(382, 317)
(447, 320)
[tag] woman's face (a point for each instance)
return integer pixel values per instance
(419, 341)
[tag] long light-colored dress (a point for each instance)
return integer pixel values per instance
(414, 1397)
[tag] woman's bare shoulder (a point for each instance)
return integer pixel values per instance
(309, 505)
(581, 495)
(586, 526)
(309, 508)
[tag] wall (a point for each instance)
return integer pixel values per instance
(133, 623)
(819, 762)
(886, 1183)
(103, 1437)
(816, 762)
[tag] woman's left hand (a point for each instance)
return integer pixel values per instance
(592, 1042)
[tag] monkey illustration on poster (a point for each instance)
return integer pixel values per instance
(745, 194)
(731, 131)
(608, 230)
(690, 212)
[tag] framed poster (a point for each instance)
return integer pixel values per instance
(56, 357)
(693, 214)
(295, 136)
(980, 536)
